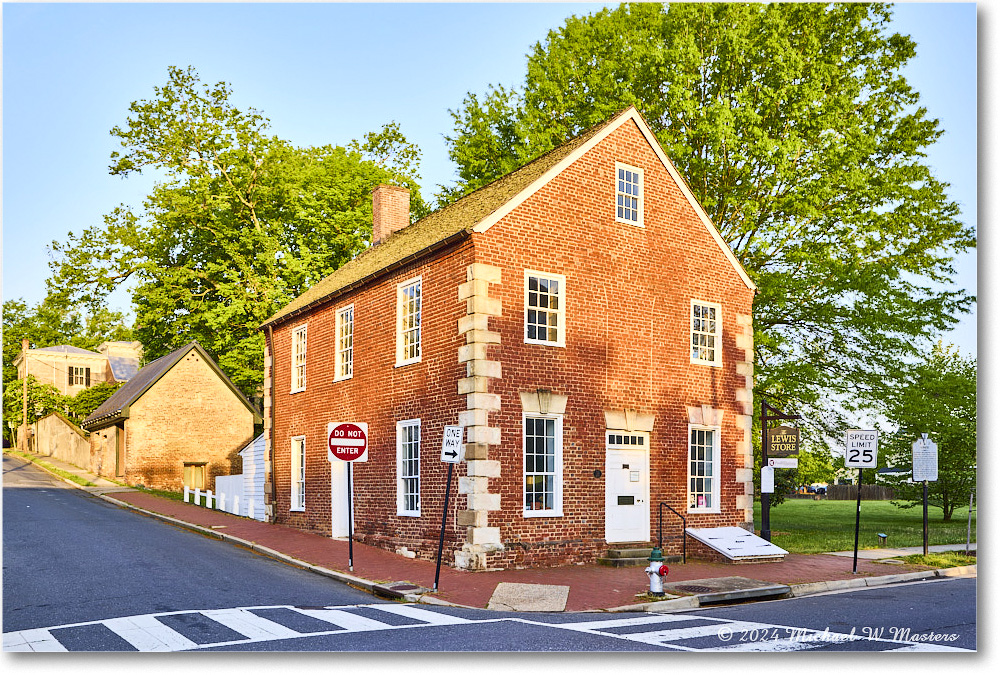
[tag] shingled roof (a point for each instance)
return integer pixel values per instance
(441, 228)
(116, 408)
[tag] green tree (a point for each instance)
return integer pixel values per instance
(793, 125)
(938, 398)
(240, 223)
(42, 400)
(87, 401)
(815, 466)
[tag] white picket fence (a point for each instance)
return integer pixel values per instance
(228, 497)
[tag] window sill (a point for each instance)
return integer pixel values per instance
(544, 514)
(544, 343)
(704, 511)
(408, 514)
(297, 391)
(299, 509)
(342, 379)
(400, 364)
(712, 364)
(630, 222)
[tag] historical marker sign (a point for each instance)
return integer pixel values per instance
(925, 459)
(452, 447)
(862, 449)
(783, 442)
(347, 441)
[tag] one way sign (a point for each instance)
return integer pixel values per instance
(452, 449)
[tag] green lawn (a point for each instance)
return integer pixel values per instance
(808, 526)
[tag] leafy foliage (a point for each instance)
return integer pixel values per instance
(43, 399)
(241, 222)
(90, 399)
(938, 397)
(796, 130)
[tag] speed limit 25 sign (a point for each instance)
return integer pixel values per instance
(862, 449)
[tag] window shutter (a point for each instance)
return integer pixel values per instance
(86, 378)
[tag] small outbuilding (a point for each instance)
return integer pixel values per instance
(178, 421)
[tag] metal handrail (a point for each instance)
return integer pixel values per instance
(659, 518)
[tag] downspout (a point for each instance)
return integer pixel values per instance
(270, 443)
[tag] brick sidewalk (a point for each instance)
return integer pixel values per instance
(592, 587)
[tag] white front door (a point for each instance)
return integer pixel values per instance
(626, 513)
(338, 498)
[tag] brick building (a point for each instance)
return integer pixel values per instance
(178, 421)
(584, 321)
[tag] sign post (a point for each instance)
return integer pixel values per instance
(765, 497)
(925, 468)
(348, 442)
(452, 452)
(862, 453)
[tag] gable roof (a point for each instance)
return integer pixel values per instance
(481, 209)
(116, 408)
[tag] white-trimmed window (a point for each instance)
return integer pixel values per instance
(345, 343)
(408, 468)
(628, 194)
(706, 333)
(298, 498)
(299, 358)
(544, 308)
(408, 310)
(542, 465)
(703, 469)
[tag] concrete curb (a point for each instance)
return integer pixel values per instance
(802, 590)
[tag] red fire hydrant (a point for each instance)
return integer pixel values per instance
(656, 571)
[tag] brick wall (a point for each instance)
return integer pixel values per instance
(380, 394)
(627, 348)
(189, 415)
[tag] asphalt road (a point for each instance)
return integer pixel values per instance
(83, 575)
(69, 557)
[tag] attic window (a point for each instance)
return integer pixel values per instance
(629, 191)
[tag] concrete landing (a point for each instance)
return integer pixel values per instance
(511, 597)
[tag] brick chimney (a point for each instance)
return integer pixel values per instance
(390, 211)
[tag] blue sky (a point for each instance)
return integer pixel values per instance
(328, 73)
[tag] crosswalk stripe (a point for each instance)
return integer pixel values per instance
(631, 621)
(927, 647)
(147, 634)
(411, 612)
(249, 624)
(796, 644)
(343, 619)
(662, 636)
(33, 640)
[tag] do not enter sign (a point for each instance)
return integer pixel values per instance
(347, 441)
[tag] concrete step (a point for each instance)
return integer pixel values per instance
(631, 555)
(629, 552)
